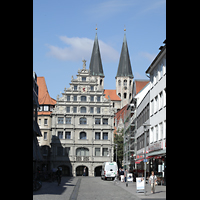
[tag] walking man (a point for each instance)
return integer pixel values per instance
(152, 181)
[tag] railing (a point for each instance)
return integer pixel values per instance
(82, 158)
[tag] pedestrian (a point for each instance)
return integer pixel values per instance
(152, 181)
(125, 174)
(122, 175)
(84, 171)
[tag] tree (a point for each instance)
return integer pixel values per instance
(118, 139)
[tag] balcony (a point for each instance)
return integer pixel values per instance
(82, 158)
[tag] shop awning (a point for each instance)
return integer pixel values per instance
(138, 161)
(157, 153)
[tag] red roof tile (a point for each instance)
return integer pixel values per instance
(43, 94)
(140, 84)
(121, 113)
(112, 94)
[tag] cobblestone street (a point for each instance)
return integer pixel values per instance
(93, 188)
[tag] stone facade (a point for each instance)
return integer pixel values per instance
(82, 126)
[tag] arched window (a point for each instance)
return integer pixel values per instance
(130, 82)
(124, 95)
(130, 96)
(119, 94)
(101, 82)
(83, 120)
(83, 98)
(82, 135)
(82, 151)
(83, 109)
(119, 82)
(125, 82)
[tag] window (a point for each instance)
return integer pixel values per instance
(75, 88)
(125, 82)
(156, 133)
(151, 135)
(67, 135)
(101, 81)
(51, 108)
(105, 151)
(130, 96)
(68, 98)
(98, 110)
(40, 108)
(119, 82)
(68, 109)
(60, 120)
(97, 120)
(105, 136)
(124, 95)
(82, 151)
(68, 120)
(92, 98)
(91, 109)
(46, 108)
(83, 98)
(83, 109)
(119, 94)
(75, 97)
(97, 135)
(83, 135)
(60, 134)
(130, 82)
(84, 79)
(92, 88)
(83, 120)
(161, 100)
(98, 98)
(97, 151)
(105, 121)
(39, 122)
(45, 121)
(152, 107)
(156, 104)
(74, 109)
(45, 135)
(160, 131)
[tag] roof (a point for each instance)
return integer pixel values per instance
(124, 67)
(162, 48)
(112, 94)
(140, 84)
(43, 94)
(95, 67)
(121, 113)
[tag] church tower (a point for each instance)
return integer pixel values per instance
(96, 68)
(124, 77)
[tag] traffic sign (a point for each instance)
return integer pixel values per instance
(144, 160)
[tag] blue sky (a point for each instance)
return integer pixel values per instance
(64, 32)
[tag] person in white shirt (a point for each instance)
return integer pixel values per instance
(152, 181)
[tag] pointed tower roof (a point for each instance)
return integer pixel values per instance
(96, 68)
(124, 67)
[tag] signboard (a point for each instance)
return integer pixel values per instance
(144, 160)
(130, 177)
(139, 184)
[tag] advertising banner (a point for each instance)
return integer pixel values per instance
(130, 177)
(140, 183)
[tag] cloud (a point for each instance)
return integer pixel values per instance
(78, 48)
(147, 55)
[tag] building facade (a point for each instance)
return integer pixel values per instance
(46, 105)
(157, 129)
(82, 122)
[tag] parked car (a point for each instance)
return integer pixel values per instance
(109, 170)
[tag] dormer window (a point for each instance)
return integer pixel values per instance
(83, 79)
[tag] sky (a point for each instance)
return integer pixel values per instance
(64, 32)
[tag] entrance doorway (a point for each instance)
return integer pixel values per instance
(97, 171)
(79, 171)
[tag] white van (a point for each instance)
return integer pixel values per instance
(109, 170)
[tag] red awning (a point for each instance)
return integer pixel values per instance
(138, 161)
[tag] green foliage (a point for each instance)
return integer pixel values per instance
(118, 139)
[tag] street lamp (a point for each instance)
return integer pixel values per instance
(145, 163)
(116, 153)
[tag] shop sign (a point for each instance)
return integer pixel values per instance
(139, 183)
(158, 145)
